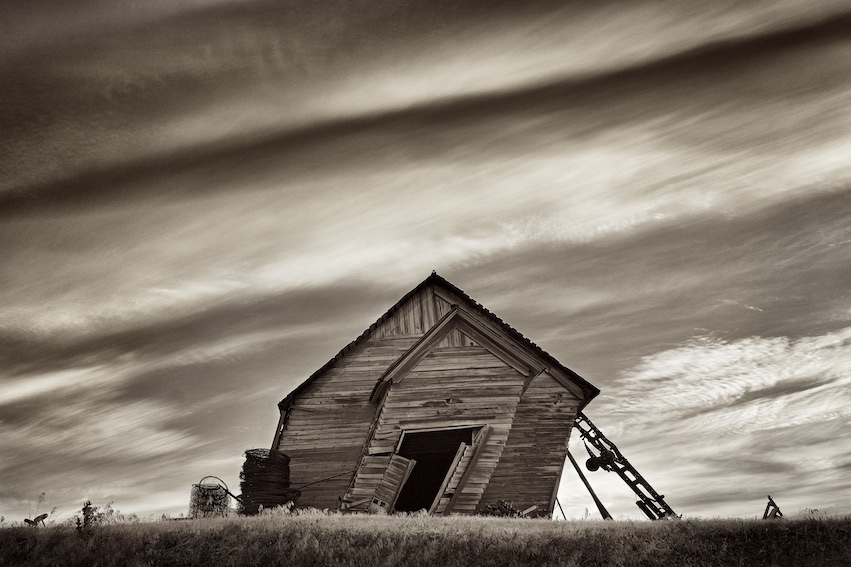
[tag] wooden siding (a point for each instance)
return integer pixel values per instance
(419, 314)
(414, 317)
(453, 387)
(531, 463)
(443, 303)
(329, 421)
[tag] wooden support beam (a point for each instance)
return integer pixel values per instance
(347, 505)
(600, 507)
(279, 430)
(529, 379)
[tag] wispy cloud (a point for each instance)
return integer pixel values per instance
(89, 435)
(713, 423)
(201, 203)
(84, 432)
(714, 387)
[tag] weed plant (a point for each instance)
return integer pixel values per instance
(319, 539)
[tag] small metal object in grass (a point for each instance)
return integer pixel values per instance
(209, 499)
(36, 521)
(772, 510)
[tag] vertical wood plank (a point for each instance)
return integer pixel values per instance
(478, 447)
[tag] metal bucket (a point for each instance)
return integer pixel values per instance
(209, 499)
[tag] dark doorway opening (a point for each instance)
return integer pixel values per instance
(434, 452)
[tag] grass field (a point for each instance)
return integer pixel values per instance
(323, 540)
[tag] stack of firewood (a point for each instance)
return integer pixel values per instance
(265, 481)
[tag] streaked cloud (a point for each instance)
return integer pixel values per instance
(735, 418)
(720, 387)
(200, 203)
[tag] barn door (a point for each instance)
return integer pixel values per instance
(446, 457)
(377, 482)
(450, 482)
(456, 478)
(394, 478)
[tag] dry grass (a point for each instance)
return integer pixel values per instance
(419, 541)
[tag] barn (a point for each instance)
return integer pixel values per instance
(438, 406)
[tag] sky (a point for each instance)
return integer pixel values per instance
(203, 201)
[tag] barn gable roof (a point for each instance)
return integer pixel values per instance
(459, 313)
(465, 321)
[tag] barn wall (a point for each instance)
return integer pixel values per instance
(419, 314)
(443, 304)
(330, 419)
(416, 316)
(459, 383)
(454, 386)
(531, 463)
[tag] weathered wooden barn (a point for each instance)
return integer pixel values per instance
(439, 405)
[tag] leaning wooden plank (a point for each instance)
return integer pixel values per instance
(398, 470)
(478, 448)
(347, 505)
(462, 448)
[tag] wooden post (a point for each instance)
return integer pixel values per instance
(600, 507)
